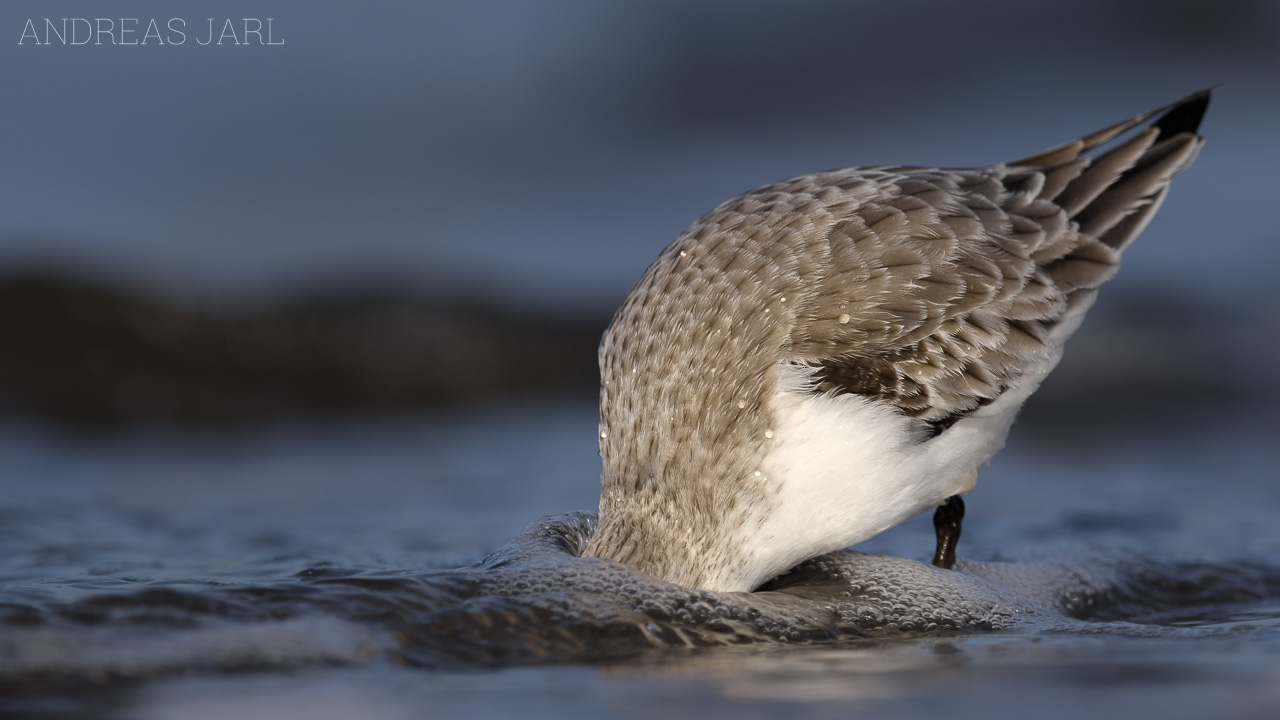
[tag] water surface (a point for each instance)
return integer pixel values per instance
(309, 570)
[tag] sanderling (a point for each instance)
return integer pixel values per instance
(817, 360)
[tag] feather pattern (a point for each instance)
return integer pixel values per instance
(940, 292)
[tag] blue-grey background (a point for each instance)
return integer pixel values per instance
(544, 152)
(535, 156)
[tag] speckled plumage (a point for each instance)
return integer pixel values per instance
(924, 303)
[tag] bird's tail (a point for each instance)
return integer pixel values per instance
(1112, 195)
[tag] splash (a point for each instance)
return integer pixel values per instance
(536, 601)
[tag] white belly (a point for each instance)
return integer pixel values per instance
(847, 468)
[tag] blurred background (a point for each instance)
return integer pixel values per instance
(336, 301)
(406, 204)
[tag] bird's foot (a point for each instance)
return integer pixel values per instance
(946, 521)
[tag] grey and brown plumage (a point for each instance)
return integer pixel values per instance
(818, 359)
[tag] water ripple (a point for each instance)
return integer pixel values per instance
(536, 601)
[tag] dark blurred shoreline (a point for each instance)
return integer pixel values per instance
(83, 353)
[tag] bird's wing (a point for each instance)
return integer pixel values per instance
(948, 286)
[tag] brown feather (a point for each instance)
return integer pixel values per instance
(938, 291)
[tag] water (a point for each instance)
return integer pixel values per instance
(310, 571)
(545, 156)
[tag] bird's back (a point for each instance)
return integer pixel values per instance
(930, 296)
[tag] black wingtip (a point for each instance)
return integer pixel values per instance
(1185, 116)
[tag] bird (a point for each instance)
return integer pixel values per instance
(817, 360)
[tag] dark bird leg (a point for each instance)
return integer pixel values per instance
(946, 521)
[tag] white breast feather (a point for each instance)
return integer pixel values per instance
(848, 467)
